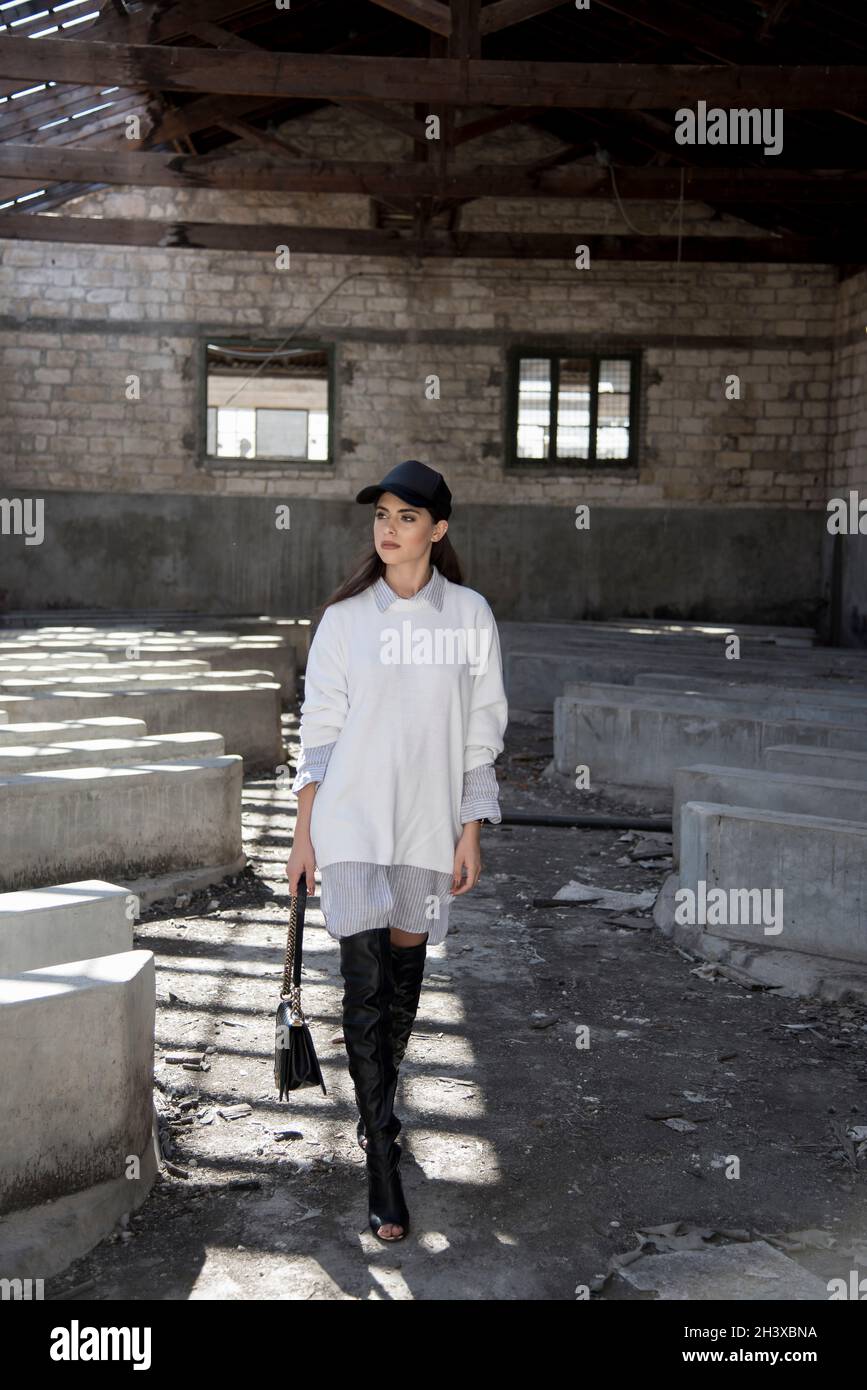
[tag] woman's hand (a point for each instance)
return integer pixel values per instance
(302, 864)
(468, 857)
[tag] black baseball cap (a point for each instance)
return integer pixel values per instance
(415, 483)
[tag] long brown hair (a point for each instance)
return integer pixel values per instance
(370, 566)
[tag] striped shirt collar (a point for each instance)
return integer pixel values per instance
(433, 592)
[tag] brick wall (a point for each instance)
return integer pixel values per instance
(78, 321)
(849, 438)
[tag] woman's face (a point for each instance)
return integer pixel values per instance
(403, 532)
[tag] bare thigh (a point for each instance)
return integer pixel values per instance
(406, 938)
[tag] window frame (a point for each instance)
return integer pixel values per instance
(214, 463)
(595, 354)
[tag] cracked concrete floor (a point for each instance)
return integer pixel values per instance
(528, 1163)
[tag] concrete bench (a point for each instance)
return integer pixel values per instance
(76, 1123)
(225, 654)
(533, 679)
(69, 669)
(769, 704)
(228, 652)
(721, 686)
(146, 822)
(66, 922)
(632, 745)
(819, 863)
(57, 730)
(108, 752)
(767, 791)
(845, 765)
(247, 716)
(139, 679)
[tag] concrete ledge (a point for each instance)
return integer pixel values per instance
(770, 704)
(631, 744)
(24, 683)
(792, 973)
(44, 1240)
(66, 922)
(247, 716)
(797, 696)
(84, 1033)
(766, 791)
(108, 752)
(56, 730)
(119, 823)
(24, 665)
(819, 864)
(540, 658)
(153, 889)
(847, 766)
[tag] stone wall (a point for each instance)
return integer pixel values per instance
(79, 321)
(849, 452)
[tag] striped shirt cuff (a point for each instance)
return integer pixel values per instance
(312, 765)
(481, 795)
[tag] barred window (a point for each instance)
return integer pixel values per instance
(572, 408)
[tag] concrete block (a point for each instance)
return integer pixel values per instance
(77, 1046)
(539, 658)
(819, 864)
(632, 745)
(108, 752)
(767, 791)
(140, 678)
(720, 687)
(247, 716)
(94, 665)
(66, 922)
(57, 730)
(768, 704)
(120, 823)
(840, 763)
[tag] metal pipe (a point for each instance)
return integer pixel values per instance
(585, 822)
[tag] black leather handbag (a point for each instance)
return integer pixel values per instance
(295, 1061)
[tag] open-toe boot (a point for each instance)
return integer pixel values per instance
(366, 966)
(407, 964)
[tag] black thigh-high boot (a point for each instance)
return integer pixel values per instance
(407, 964)
(366, 966)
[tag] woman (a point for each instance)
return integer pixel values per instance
(404, 707)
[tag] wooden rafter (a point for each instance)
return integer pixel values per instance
(542, 178)
(221, 38)
(431, 14)
(458, 82)
(465, 39)
(505, 13)
(266, 140)
(483, 125)
(560, 246)
(395, 120)
(698, 29)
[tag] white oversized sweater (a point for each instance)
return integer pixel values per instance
(410, 694)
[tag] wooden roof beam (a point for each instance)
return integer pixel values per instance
(473, 82)
(362, 241)
(296, 173)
